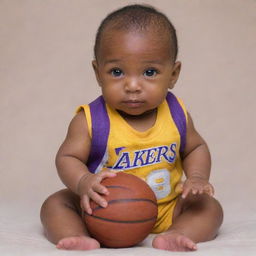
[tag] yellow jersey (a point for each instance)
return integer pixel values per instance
(152, 155)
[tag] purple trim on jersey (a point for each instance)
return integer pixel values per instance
(179, 118)
(100, 132)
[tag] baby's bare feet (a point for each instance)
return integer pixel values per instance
(174, 241)
(78, 243)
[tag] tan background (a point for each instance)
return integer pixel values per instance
(46, 48)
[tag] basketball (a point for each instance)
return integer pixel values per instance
(130, 215)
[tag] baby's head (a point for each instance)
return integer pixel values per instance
(135, 59)
(140, 19)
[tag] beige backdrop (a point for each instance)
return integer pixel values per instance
(46, 48)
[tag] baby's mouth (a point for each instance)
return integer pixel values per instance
(133, 103)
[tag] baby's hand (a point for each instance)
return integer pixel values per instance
(195, 185)
(89, 187)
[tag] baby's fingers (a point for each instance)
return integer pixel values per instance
(98, 199)
(193, 189)
(209, 190)
(106, 174)
(186, 191)
(85, 204)
(196, 191)
(100, 189)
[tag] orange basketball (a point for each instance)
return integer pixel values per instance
(130, 215)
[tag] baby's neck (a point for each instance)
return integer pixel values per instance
(144, 115)
(140, 122)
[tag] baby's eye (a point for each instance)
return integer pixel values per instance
(116, 72)
(150, 72)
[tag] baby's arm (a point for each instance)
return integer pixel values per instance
(70, 163)
(196, 163)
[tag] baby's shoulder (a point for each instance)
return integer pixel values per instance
(78, 124)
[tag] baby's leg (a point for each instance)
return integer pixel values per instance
(196, 219)
(61, 218)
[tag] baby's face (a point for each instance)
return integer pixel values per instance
(135, 70)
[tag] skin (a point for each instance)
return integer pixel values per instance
(135, 71)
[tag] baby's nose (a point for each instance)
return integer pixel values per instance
(132, 85)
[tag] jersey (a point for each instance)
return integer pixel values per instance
(152, 155)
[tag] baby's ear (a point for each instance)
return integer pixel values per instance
(96, 71)
(175, 74)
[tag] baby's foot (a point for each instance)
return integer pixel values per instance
(78, 243)
(173, 241)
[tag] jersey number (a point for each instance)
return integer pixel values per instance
(159, 181)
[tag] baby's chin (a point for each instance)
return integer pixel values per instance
(137, 115)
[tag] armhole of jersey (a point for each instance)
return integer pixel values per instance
(184, 109)
(87, 113)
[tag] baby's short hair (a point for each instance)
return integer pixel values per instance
(138, 18)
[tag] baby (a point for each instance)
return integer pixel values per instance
(139, 127)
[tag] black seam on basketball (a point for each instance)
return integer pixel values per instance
(113, 186)
(126, 200)
(122, 221)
